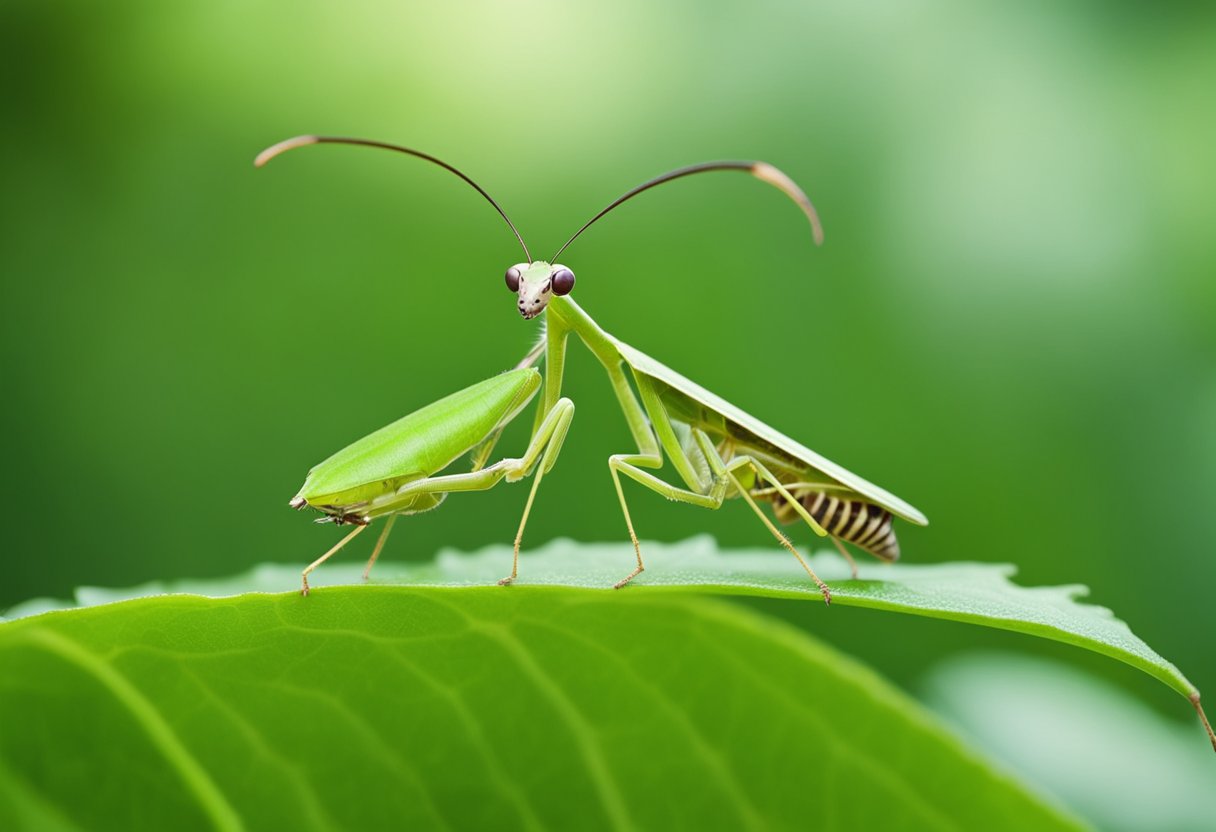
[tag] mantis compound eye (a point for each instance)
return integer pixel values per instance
(563, 281)
(513, 278)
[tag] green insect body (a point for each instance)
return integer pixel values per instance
(716, 450)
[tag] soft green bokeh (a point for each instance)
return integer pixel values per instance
(1148, 773)
(1012, 323)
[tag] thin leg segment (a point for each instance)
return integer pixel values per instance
(713, 499)
(742, 462)
(716, 462)
(565, 414)
(627, 464)
(844, 553)
(654, 437)
(388, 527)
(705, 493)
(304, 575)
(660, 435)
(784, 491)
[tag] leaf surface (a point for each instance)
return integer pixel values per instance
(519, 708)
(976, 593)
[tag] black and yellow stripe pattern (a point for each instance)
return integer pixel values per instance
(855, 521)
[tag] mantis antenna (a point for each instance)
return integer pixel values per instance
(302, 141)
(761, 170)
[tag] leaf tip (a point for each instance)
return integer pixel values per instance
(1203, 718)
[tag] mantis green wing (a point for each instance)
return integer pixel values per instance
(699, 408)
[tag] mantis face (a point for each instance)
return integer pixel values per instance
(536, 282)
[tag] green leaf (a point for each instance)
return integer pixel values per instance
(976, 593)
(527, 707)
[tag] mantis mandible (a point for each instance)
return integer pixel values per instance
(717, 450)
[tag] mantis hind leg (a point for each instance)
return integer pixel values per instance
(746, 461)
(785, 492)
(743, 462)
(844, 553)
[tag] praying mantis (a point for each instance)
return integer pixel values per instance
(717, 450)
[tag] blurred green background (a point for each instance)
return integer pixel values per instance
(1012, 323)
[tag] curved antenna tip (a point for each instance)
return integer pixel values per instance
(761, 170)
(767, 173)
(302, 141)
(282, 147)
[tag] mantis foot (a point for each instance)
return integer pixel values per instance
(628, 578)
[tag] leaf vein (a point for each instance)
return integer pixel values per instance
(145, 714)
(718, 764)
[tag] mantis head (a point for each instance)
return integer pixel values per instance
(536, 282)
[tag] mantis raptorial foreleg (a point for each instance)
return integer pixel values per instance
(564, 414)
(481, 454)
(552, 429)
(547, 439)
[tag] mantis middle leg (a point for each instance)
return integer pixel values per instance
(707, 492)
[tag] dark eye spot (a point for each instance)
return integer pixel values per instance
(513, 279)
(563, 281)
